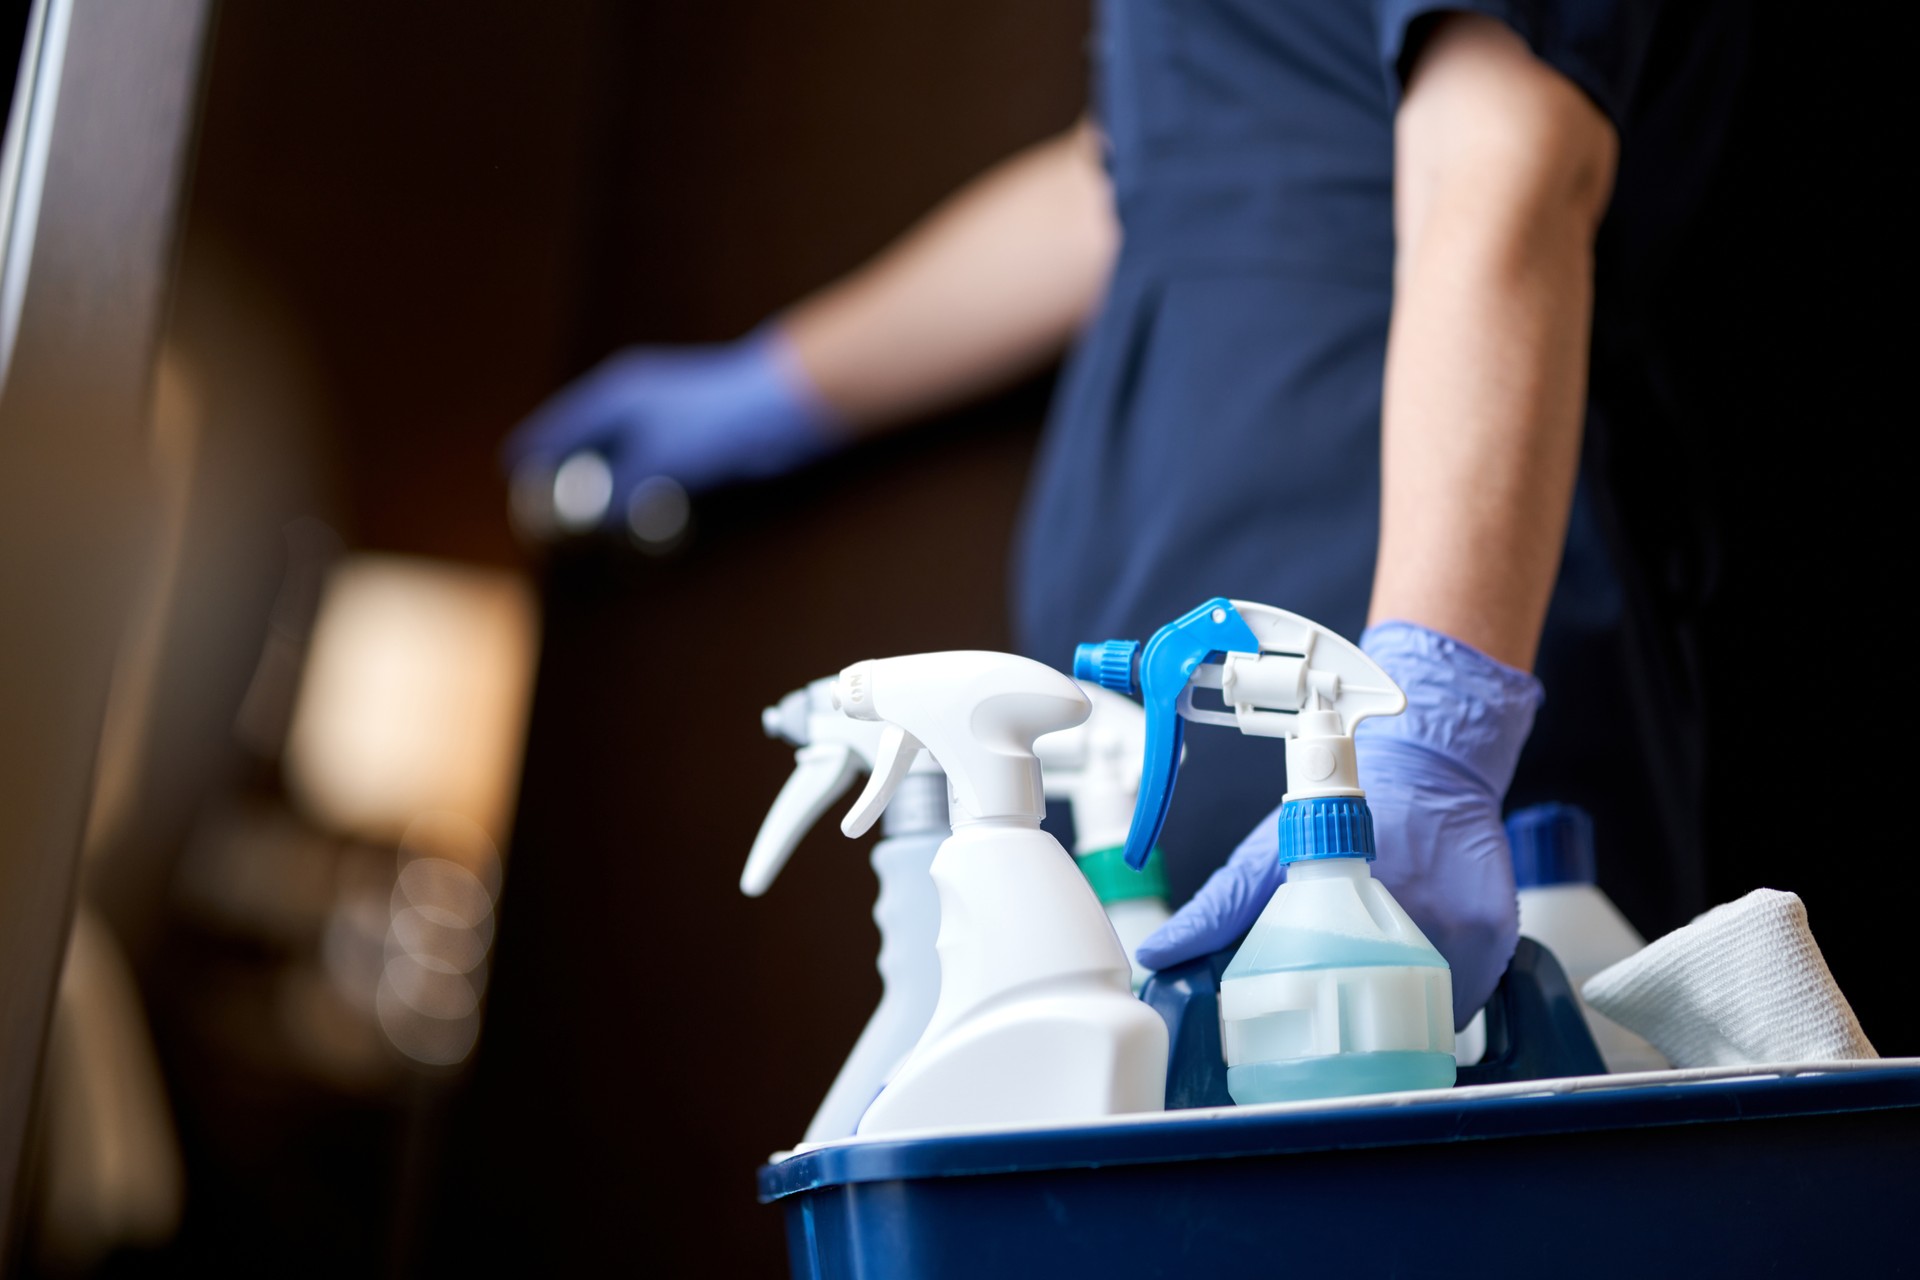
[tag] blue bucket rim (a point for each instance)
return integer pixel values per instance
(1472, 1114)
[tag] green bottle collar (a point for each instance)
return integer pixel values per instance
(1114, 881)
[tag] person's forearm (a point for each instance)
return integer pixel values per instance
(1503, 173)
(988, 287)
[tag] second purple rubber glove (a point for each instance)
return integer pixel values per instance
(703, 416)
(1434, 776)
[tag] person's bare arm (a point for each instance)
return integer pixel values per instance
(1503, 170)
(988, 287)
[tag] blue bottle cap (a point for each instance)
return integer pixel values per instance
(1552, 844)
(1108, 664)
(1326, 827)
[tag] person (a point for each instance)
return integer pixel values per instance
(1349, 288)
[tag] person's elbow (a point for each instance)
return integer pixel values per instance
(1491, 138)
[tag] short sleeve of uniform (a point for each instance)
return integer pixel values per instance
(1600, 45)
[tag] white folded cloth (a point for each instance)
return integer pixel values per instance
(1743, 984)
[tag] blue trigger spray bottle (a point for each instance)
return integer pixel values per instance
(1335, 991)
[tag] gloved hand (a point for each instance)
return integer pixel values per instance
(1434, 777)
(701, 415)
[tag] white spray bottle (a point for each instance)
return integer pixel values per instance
(1095, 767)
(1335, 991)
(833, 751)
(1035, 1021)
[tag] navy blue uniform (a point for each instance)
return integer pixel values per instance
(1217, 431)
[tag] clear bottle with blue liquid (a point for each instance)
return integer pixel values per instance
(1335, 991)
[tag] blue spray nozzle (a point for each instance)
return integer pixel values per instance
(1159, 672)
(1109, 664)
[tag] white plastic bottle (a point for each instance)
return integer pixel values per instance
(1562, 908)
(1036, 1022)
(1095, 767)
(1335, 991)
(833, 751)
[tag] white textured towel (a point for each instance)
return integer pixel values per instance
(1743, 984)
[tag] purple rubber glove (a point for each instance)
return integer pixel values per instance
(1434, 776)
(704, 416)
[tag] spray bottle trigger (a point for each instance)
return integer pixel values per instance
(1160, 766)
(895, 756)
(822, 773)
(1169, 662)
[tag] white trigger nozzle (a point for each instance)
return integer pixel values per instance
(896, 755)
(821, 775)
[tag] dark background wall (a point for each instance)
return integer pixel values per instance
(459, 206)
(453, 207)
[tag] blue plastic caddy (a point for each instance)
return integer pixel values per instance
(1798, 1173)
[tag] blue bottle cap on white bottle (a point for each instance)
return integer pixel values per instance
(1326, 827)
(1552, 844)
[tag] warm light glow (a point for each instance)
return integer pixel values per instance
(414, 697)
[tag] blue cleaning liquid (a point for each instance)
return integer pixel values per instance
(1341, 1075)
